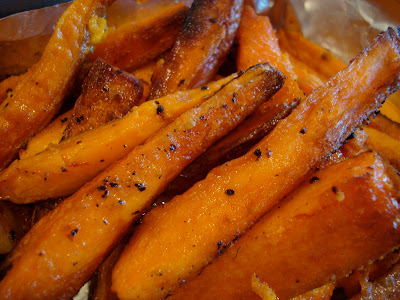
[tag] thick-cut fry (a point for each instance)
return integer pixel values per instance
(65, 247)
(258, 44)
(204, 40)
(136, 43)
(325, 229)
(107, 94)
(313, 55)
(38, 97)
(63, 169)
(233, 145)
(176, 240)
(385, 145)
(391, 108)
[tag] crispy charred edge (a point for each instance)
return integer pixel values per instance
(95, 93)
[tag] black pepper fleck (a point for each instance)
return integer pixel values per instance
(74, 232)
(213, 20)
(113, 184)
(335, 190)
(140, 187)
(234, 98)
(172, 147)
(64, 169)
(230, 192)
(64, 120)
(160, 109)
(258, 153)
(204, 88)
(303, 130)
(314, 179)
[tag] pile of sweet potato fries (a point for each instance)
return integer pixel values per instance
(194, 151)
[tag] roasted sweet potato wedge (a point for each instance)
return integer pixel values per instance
(22, 115)
(107, 94)
(66, 246)
(133, 44)
(325, 229)
(177, 240)
(204, 40)
(144, 75)
(61, 170)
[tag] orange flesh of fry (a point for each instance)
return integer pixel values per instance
(178, 239)
(325, 229)
(38, 97)
(65, 247)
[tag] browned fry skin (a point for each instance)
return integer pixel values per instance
(204, 40)
(178, 239)
(66, 246)
(38, 97)
(137, 43)
(333, 223)
(107, 94)
(385, 287)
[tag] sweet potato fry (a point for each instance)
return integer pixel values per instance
(175, 241)
(391, 108)
(258, 44)
(136, 43)
(22, 115)
(66, 246)
(63, 169)
(325, 229)
(107, 94)
(385, 145)
(204, 40)
(313, 55)
(233, 145)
